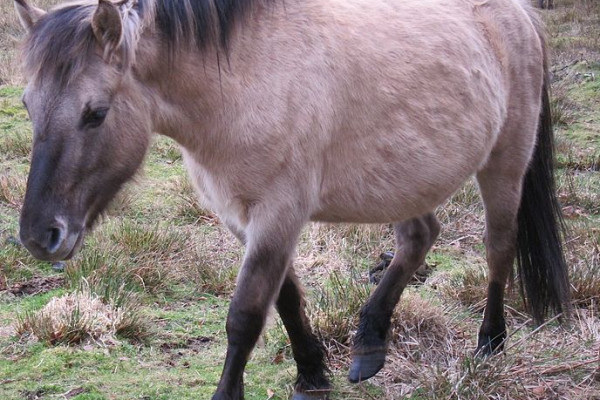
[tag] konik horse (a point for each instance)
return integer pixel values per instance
(367, 111)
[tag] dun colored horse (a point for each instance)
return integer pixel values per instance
(292, 111)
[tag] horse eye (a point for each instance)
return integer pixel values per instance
(94, 118)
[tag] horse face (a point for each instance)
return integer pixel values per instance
(90, 135)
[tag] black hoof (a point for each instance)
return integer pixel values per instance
(364, 366)
(312, 395)
(488, 345)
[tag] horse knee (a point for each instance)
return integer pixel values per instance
(415, 237)
(244, 326)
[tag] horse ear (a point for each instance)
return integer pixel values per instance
(107, 27)
(28, 14)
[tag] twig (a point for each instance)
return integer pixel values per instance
(568, 367)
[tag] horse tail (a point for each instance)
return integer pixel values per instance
(541, 265)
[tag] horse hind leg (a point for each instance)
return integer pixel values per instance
(414, 238)
(500, 186)
(309, 354)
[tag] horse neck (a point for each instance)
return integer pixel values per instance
(184, 92)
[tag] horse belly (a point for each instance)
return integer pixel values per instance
(393, 187)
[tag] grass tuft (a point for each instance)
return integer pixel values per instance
(83, 316)
(336, 306)
(420, 328)
(561, 107)
(468, 286)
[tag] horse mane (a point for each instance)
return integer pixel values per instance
(61, 42)
(201, 22)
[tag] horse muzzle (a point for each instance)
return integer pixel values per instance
(53, 241)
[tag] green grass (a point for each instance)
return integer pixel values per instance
(183, 361)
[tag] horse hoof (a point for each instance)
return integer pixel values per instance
(488, 346)
(314, 395)
(364, 366)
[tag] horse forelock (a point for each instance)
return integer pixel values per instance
(59, 43)
(62, 41)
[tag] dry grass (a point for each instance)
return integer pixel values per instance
(462, 218)
(421, 328)
(444, 367)
(12, 188)
(584, 260)
(139, 256)
(83, 316)
(11, 33)
(562, 108)
(145, 242)
(467, 286)
(573, 29)
(325, 249)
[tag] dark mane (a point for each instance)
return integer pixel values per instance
(61, 42)
(201, 21)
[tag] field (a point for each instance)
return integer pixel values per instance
(140, 312)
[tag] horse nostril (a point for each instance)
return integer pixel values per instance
(55, 238)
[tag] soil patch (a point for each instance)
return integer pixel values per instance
(177, 350)
(193, 344)
(35, 286)
(33, 394)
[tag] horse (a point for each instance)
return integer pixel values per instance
(293, 111)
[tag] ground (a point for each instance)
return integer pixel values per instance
(171, 266)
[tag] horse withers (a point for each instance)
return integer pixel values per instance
(286, 112)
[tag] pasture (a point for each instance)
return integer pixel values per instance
(152, 284)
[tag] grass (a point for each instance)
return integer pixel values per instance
(336, 306)
(12, 188)
(159, 254)
(83, 315)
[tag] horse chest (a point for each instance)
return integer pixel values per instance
(218, 194)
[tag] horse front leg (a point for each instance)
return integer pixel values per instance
(414, 239)
(263, 270)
